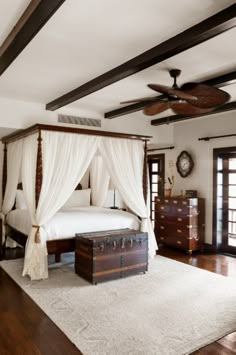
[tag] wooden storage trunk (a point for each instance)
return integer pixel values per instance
(109, 255)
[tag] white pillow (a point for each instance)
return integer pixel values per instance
(20, 200)
(79, 198)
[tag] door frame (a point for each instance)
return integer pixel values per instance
(152, 158)
(216, 153)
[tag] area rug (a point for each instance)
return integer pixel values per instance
(173, 309)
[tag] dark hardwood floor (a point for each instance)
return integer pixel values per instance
(24, 327)
(26, 330)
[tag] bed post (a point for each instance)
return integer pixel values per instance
(38, 179)
(145, 177)
(4, 171)
(4, 183)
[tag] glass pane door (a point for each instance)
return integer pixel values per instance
(231, 237)
(226, 203)
(156, 172)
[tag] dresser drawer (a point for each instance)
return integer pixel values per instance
(182, 243)
(175, 231)
(176, 210)
(179, 220)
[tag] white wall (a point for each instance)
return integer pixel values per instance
(19, 114)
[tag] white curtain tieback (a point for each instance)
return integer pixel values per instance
(37, 238)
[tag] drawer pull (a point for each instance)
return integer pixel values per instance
(166, 201)
(162, 238)
(162, 207)
(158, 200)
(162, 227)
(122, 243)
(184, 203)
(179, 219)
(175, 201)
(189, 226)
(179, 210)
(179, 231)
(189, 215)
(179, 242)
(162, 217)
(101, 247)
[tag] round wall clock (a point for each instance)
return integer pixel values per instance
(184, 163)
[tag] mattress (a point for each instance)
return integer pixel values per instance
(69, 221)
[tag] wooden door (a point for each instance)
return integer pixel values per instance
(226, 202)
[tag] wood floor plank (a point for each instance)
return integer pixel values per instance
(44, 337)
(14, 338)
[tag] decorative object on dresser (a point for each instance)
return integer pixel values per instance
(109, 255)
(184, 164)
(179, 222)
(191, 193)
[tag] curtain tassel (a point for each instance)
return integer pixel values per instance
(37, 234)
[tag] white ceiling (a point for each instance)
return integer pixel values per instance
(84, 39)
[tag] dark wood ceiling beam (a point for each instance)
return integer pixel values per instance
(187, 39)
(222, 80)
(30, 23)
(177, 118)
(218, 81)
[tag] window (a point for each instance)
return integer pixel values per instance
(156, 164)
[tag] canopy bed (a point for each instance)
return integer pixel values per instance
(52, 160)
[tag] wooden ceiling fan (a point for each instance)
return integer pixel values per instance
(190, 99)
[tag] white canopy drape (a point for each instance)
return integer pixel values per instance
(124, 160)
(99, 181)
(66, 157)
(14, 156)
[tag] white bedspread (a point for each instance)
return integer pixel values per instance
(76, 220)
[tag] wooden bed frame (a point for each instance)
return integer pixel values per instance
(58, 246)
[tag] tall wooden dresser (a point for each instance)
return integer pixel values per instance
(180, 222)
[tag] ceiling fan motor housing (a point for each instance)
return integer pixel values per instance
(174, 73)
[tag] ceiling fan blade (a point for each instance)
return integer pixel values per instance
(142, 99)
(207, 96)
(172, 92)
(156, 108)
(184, 108)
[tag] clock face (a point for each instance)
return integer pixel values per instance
(184, 164)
